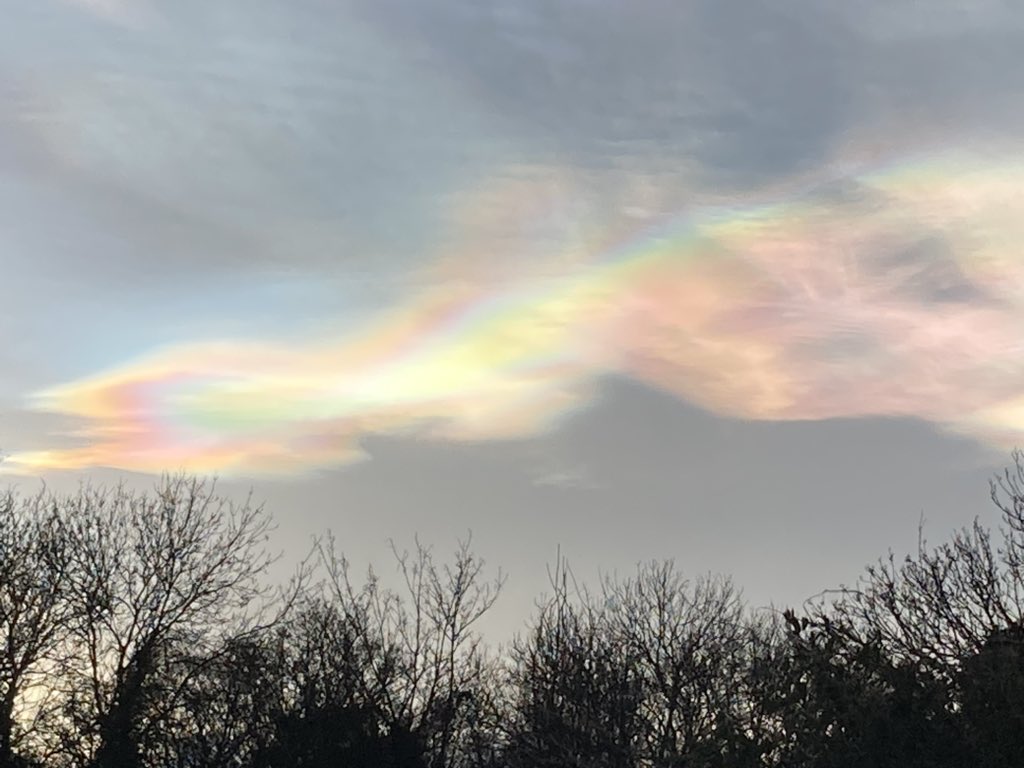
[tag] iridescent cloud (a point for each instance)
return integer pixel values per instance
(896, 291)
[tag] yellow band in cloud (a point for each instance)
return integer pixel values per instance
(900, 292)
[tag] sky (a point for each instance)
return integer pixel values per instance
(732, 282)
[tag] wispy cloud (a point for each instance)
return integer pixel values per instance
(893, 291)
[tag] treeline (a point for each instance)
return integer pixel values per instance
(141, 630)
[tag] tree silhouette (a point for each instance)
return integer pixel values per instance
(333, 735)
(425, 667)
(577, 693)
(137, 631)
(155, 580)
(842, 700)
(992, 689)
(34, 616)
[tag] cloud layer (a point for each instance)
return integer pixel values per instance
(324, 221)
(891, 290)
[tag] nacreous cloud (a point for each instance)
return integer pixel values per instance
(898, 291)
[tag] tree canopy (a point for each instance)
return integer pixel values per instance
(140, 630)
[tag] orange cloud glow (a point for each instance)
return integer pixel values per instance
(902, 295)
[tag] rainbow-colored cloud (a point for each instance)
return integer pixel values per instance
(896, 291)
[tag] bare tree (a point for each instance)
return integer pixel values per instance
(654, 670)
(941, 628)
(225, 710)
(425, 663)
(943, 603)
(34, 614)
(154, 581)
(689, 640)
(576, 694)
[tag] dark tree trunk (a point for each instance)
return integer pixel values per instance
(7, 756)
(119, 730)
